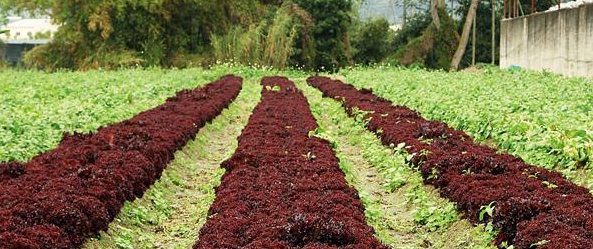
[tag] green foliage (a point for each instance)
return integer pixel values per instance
(392, 191)
(111, 34)
(239, 45)
(483, 31)
(414, 28)
(301, 35)
(31, 6)
(539, 243)
(3, 63)
(274, 88)
(445, 43)
(486, 211)
(116, 34)
(332, 42)
(36, 108)
(434, 48)
(284, 40)
(417, 50)
(545, 119)
(431, 214)
(371, 41)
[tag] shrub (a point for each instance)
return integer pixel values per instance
(371, 41)
(332, 42)
(434, 48)
(129, 32)
(283, 40)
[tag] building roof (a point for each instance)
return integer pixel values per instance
(41, 24)
(571, 5)
(21, 41)
(24, 29)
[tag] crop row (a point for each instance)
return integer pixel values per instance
(531, 205)
(404, 212)
(37, 107)
(545, 119)
(283, 188)
(59, 198)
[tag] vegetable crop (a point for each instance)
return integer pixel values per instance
(545, 119)
(37, 107)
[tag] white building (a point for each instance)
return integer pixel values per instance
(26, 29)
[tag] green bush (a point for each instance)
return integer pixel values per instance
(434, 48)
(282, 41)
(414, 28)
(110, 34)
(113, 34)
(332, 41)
(371, 41)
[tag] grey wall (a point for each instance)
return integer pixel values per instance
(559, 41)
(12, 53)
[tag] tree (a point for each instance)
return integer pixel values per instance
(433, 46)
(464, 35)
(280, 40)
(435, 5)
(111, 34)
(332, 41)
(371, 42)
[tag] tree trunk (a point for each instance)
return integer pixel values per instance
(493, 32)
(405, 7)
(464, 35)
(434, 11)
(474, 42)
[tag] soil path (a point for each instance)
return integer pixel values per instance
(391, 211)
(173, 210)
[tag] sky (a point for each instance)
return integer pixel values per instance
(389, 9)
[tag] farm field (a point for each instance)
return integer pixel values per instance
(355, 187)
(486, 185)
(36, 108)
(544, 119)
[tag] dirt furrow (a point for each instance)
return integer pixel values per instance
(283, 188)
(173, 210)
(59, 198)
(404, 212)
(531, 205)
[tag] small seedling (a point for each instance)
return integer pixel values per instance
(549, 184)
(425, 140)
(274, 88)
(400, 147)
(467, 171)
(309, 156)
(486, 210)
(539, 243)
(505, 245)
(425, 152)
(433, 174)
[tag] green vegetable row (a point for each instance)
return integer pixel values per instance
(37, 107)
(543, 118)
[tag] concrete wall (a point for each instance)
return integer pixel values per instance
(12, 53)
(560, 41)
